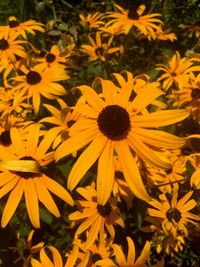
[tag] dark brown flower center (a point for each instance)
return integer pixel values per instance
(13, 23)
(173, 74)
(96, 257)
(119, 175)
(3, 44)
(99, 51)
(5, 139)
(169, 171)
(105, 210)
(70, 123)
(50, 57)
(33, 77)
(195, 93)
(173, 214)
(114, 122)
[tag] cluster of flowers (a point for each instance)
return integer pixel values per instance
(116, 123)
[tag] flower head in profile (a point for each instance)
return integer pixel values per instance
(14, 27)
(177, 71)
(94, 217)
(38, 81)
(62, 119)
(134, 17)
(21, 174)
(111, 123)
(26, 249)
(174, 215)
(91, 20)
(98, 50)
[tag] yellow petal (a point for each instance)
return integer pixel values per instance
(75, 143)
(46, 198)
(131, 251)
(160, 118)
(105, 174)
(130, 170)
(92, 98)
(57, 189)
(12, 203)
(31, 199)
(86, 160)
(159, 138)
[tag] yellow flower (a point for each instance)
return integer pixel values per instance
(95, 217)
(91, 20)
(174, 216)
(191, 30)
(21, 173)
(91, 256)
(163, 34)
(45, 260)
(56, 57)
(13, 103)
(146, 24)
(38, 81)
(177, 71)
(63, 118)
(10, 48)
(98, 50)
(17, 28)
(111, 123)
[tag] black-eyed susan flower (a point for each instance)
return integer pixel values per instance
(174, 215)
(63, 118)
(38, 81)
(10, 48)
(163, 35)
(112, 123)
(21, 174)
(95, 217)
(13, 103)
(90, 256)
(177, 71)
(126, 19)
(14, 27)
(98, 50)
(56, 260)
(91, 20)
(56, 57)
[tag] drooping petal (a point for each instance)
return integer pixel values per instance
(12, 203)
(46, 198)
(86, 160)
(130, 170)
(57, 189)
(105, 174)
(31, 199)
